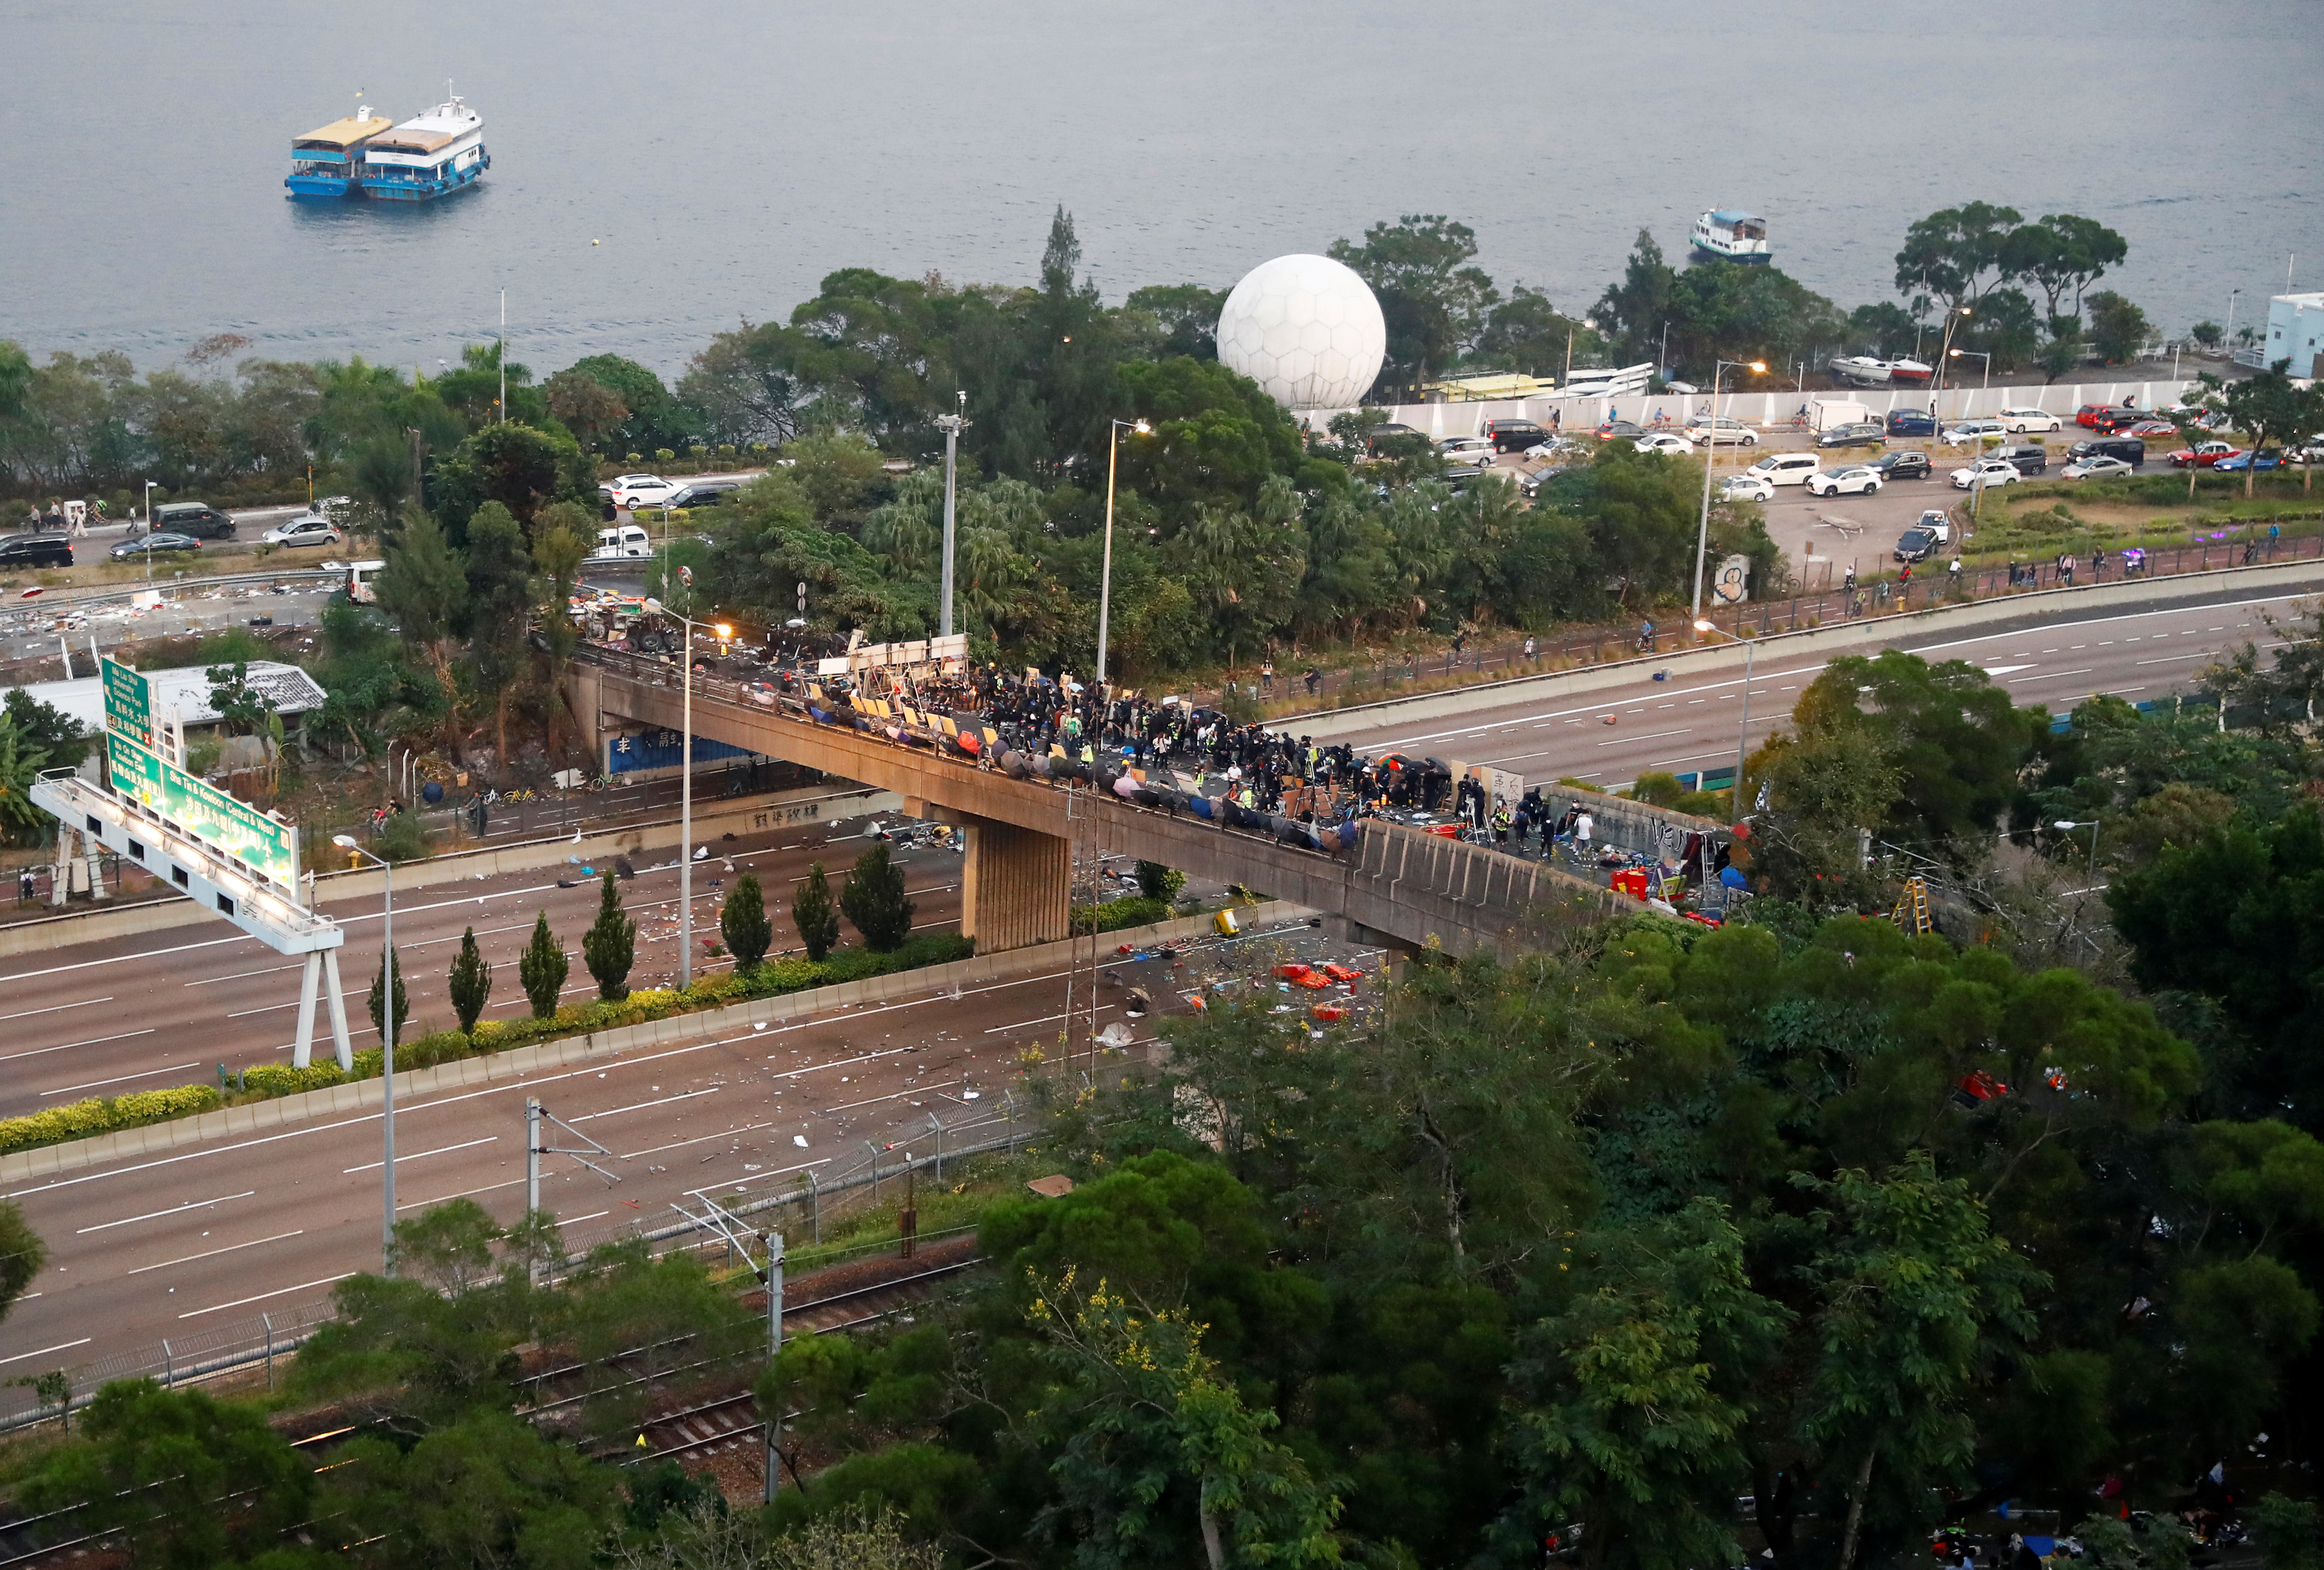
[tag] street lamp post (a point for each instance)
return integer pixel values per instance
(951, 425)
(2067, 824)
(1710, 457)
(387, 970)
(1743, 731)
(1105, 584)
(1985, 383)
(1954, 318)
(686, 790)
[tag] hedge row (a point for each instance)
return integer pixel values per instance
(1116, 914)
(103, 1114)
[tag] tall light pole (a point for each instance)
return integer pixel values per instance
(1954, 318)
(686, 787)
(149, 507)
(503, 358)
(387, 970)
(1709, 458)
(951, 425)
(2228, 337)
(1743, 731)
(1105, 584)
(2067, 824)
(1985, 383)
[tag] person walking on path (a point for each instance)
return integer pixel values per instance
(1582, 827)
(1531, 647)
(1267, 676)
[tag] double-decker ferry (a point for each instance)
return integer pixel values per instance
(324, 163)
(428, 155)
(1729, 237)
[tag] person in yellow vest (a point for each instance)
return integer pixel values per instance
(1500, 823)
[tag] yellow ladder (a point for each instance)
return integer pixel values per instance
(1912, 912)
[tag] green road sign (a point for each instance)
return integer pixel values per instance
(128, 703)
(202, 810)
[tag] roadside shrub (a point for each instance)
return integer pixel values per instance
(1658, 789)
(103, 1114)
(1116, 914)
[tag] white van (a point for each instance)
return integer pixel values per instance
(1785, 468)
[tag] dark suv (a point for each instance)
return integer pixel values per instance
(2130, 450)
(194, 518)
(1513, 435)
(703, 495)
(1912, 422)
(36, 551)
(2027, 459)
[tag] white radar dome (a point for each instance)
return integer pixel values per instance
(1307, 329)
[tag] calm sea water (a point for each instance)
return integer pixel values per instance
(727, 157)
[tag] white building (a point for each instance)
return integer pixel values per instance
(2296, 332)
(188, 690)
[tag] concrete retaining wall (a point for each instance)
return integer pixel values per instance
(809, 805)
(359, 1097)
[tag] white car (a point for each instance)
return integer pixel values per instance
(2094, 466)
(1986, 472)
(1726, 429)
(1474, 449)
(306, 529)
(2017, 422)
(1663, 441)
(1748, 488)
(1970, 432)
(609, 486)
(649, 492)
(1858, 480)
(1785, 468)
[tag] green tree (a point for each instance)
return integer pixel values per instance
(2272, 411)
(1434, 301)
(873, 900)
(2063, 252)
(1957, 254)
(1631, 313)
(542, 968)
(425, 588)
(743, 922)
(522, 469)
(815, 914)
(378, 1000)
(592, 411)
(470, 983)
(487, 1490)
(1157, 882)
(500, 601)
(2119, 329)
(153, 1464)
(1168, 320)
(22, 1255)
(21, 763)
(610, 946)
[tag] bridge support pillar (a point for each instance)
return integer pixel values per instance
(1013, 885)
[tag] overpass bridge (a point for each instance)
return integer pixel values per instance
(1401, 883)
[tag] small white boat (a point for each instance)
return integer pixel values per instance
(1730, 236)
(1860, 370)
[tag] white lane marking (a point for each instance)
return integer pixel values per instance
(698, 1139)
(401, 1159)
(2006, 669)
(874, 1101)
(118, 1079)
(1043, 1020)
(116, 959)
(263, 1297)
(230, 1247)
(57, 1008)
(754, 1178)
(271, 1007)
(463, 1193)
(239, 975)
(641, 1105)
(2048, 676)
(593, 1215)
(1650, 737)
(60, 1346)
(2171, 659)
(157, 1214)
(69, 1046)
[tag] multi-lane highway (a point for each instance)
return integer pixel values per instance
(1690, 723)
(175, 1245)
(167, 1007)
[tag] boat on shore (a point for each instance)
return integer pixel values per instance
(1860, 370)
(1910, 373)
(431, 154)
(1732, 236)
(326, 161)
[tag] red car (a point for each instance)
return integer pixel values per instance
(2087, 414)
(2119, 420)
(2204, 453)
(2153, 428)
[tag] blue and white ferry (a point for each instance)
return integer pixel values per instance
(324, 163)
(429, 155)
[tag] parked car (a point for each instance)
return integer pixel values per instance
(306, 529)
(1557, 447)
(1513, 435)
(2146, 427)
(1748, 488)
(1725, 430)
(2088, 413)
(1912, 422)
(712, 495)
(2204, 455)
(1468, 448)
(1862, 433)
(646, 493)
(1858, 480)
(619, 481)
(1970, 432)
(36, 551)
(2027, 459)
(2095, 466)
(163, 544)
(1992, 471)
(2018, 421)
(194, 518)
(1912, 464)
(2118, 421)
(1663, 441)
(2272, 458)
(1785, 468)
(1615, 429)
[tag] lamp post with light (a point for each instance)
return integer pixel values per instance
(2066, 825)
(1985, 383)
(951, 425)
(1954, 318)
(686, 786)
(1743, 731)
(1105, 582)
(1710, 458)
(387, 970)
